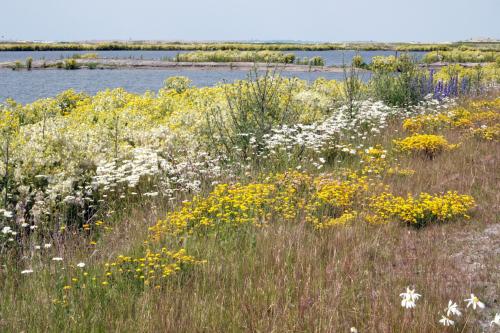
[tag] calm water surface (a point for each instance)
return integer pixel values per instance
(26, 87)
(331, 57)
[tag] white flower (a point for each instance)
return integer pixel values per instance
(445, 321)
(8, 214)
(47, 246)
(25, 225)
(6, 230)
(496, 320)
(409, 298)
(37, 247)
(27, 271)
(474, 301)
(57, 259)
(452, 309)
(81, 264)
(354, 330)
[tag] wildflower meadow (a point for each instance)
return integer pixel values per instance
(271, 204)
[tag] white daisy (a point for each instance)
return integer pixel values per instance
(445, 321)
(452, 309)
(475, 302)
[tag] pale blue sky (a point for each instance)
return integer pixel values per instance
(316, 20)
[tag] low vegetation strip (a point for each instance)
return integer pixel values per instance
(236, 56)
(174, 46)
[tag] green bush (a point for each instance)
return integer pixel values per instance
(254, 107)
(177, 83)
(397, 81)
(358, 61)
(70, 64)
(29, 63)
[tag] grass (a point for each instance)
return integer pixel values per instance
(285, 276)
(235, 56)
(173, 46)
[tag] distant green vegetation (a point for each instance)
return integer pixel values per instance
(85, 56)
(236, 56)
(169, 46)
(461, 56)
(314, 61)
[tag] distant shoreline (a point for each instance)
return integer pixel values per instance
(242, 46)
(102, 63)
(117, 64)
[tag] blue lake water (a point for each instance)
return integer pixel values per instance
(332, 58)
(26, 87)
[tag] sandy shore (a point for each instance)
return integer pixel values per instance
(106, 63)
(159, 64)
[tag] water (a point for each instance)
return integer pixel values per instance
(56, 55)
(332, 58)
(26, 87)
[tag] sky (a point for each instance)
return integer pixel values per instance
(203, 20)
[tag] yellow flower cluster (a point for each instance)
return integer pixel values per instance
(342, 220)
(489, 133)
(288, 196)
(150, 268)
(427, 144)
(226, 205)
(400, 171)
(433, 122)
(420, 210)
(334, 200)
(374, 160)
(474, 114)
(340, 194)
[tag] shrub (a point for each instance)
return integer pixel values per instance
(177, 83)
(358, 61)
(398, 81)
(489, 133)
(70, 64)
(29, 63)
(17, 66)
(317, 61)
(422, 209)
(427, 144)
(254, 107)
(314, 61)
